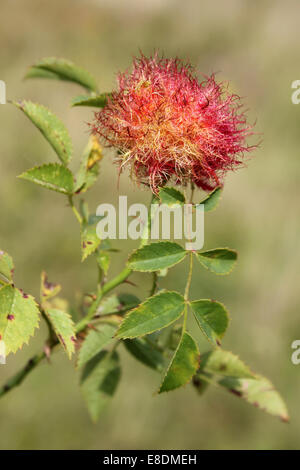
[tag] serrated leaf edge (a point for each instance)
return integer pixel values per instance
(38, 167)
(34, 327)
(228, 317)
(155, 243)
(147, 300)
(42, 66)
(170, 364)
(20, 104)
(197, 253)
(209, 196)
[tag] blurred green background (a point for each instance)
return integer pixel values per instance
(254, 45)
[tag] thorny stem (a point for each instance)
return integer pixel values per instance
(18, 378)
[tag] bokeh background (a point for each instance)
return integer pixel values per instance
(254, 45)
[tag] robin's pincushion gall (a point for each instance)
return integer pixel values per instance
(166, 124)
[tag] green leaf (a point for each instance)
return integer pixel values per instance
(64, 328)
(35, 72)
(183, 366)
(6, 266)
(19, 317)
(237, 377)
(259, 392)
(171, 196)
(62, 69)
(51, 127)
(89, 240)
(51, 176)
(97, 101)
(224, 363)
(156, 256)
(145, 353)
(99, 380)
(219, 260)
(212, 200)
(89, 166)
(212, 317)
(155, 313)
(95, 341)
(48, 289)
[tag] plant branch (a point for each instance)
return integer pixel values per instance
(18, 378)
(77, 215)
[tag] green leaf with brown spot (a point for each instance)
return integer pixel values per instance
(212, 318)
(219, 260)
(19, 317)
(224, 363)
(89, 239)
(183, 366)
(64, 328)
(259, 392)
(62, 69)
(225, 369)
(51, 176)
(50, 126)
(155, 313)
(6, 266)
(48, 289)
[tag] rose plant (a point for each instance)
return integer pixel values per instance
(172, 132)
